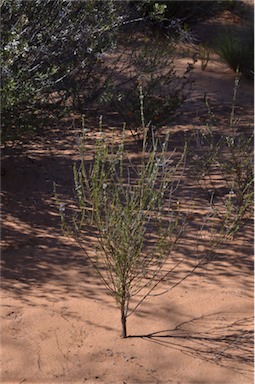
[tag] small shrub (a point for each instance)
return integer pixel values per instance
(204, 55)
(124, 204)
(132, 210)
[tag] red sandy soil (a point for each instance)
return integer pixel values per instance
(58, 324)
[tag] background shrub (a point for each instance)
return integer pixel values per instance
(45, 46)
(236, 46)
(51, 60)
(148, 72)
(187, 11)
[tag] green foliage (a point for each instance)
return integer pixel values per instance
(236, 46)
(185, 11)
(45, 45)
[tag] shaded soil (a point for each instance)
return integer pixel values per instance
(58, 323)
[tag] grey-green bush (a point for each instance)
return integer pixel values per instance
(51, 48)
